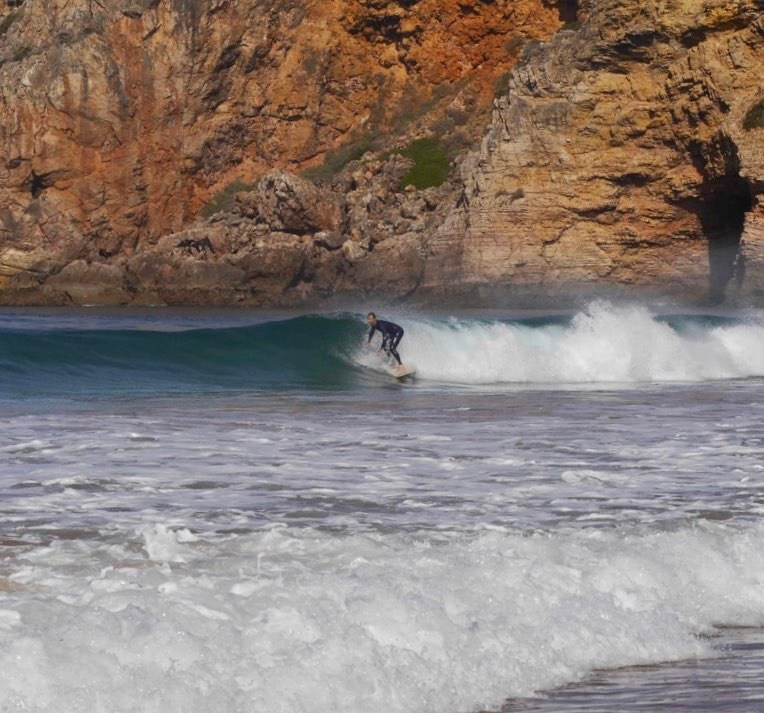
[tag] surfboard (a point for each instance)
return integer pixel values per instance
(403, 371)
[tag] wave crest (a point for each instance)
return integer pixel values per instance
(602, 344)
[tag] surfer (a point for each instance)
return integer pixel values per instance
(391, 335)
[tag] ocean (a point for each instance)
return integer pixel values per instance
(221, 511)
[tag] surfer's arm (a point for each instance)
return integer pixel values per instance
(371, 334)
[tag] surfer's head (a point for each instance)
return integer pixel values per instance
(371, 319)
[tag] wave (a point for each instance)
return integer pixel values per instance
(602, 344)
(302, 351)
(300, 621)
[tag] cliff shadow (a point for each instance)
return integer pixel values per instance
(724, 199)
(722, 212)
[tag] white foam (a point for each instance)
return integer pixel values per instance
(603, 344)
(166, 545)
(304, 622)
(9, 619)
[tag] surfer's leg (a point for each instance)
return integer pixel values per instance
(393, 344)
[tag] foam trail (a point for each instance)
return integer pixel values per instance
(603, 344)
(303, 622)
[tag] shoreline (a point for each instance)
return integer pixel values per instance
(736, 672)
(476, 295)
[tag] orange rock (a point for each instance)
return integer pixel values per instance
(129, 119)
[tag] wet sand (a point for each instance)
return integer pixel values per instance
(732, 682)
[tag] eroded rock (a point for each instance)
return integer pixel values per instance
(288, 203)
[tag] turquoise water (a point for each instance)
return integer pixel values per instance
(106, 358)
(231, 511)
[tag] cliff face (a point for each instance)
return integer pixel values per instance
(619, 157)
(618, 153)
(120, 120)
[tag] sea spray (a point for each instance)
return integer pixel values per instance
(603, 344)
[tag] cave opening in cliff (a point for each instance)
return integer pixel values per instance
(726, 201)
(568, 10)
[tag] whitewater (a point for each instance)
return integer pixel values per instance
(231, 511)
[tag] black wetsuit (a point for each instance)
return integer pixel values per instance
(391, 337)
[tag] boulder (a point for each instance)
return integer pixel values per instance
(354, 251)
(394, 268)
(291, 204)
(185, 282)
(89, 283)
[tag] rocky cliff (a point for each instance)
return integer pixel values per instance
(625, 149)
(627, 152)
(120, 121)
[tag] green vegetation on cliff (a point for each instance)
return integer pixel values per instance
(224, 200)
(335, 161)
(431, 164)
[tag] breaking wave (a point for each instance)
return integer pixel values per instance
(602, 344)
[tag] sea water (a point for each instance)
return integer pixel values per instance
(213, 512)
